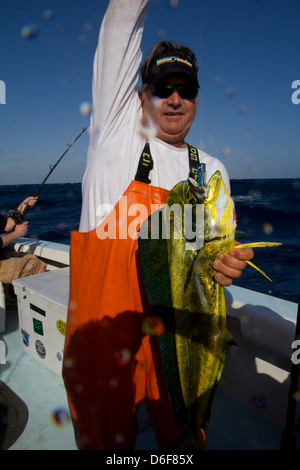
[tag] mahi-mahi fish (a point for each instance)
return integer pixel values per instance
(178, 278)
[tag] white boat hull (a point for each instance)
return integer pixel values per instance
(251, 401)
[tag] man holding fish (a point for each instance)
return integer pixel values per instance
(112, 362)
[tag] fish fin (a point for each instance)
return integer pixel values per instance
(257, 245)
(258, 269)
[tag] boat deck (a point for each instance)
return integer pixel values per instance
(232, 425)
(250, 404)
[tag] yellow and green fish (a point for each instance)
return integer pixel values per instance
(177, 248)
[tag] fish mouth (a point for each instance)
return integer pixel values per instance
(200, 192)
(209, 240)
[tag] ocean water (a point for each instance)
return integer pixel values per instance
(267, 210)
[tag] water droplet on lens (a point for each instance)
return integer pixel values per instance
(85, 108)
(162, 33)
(123, 356)
(267, 228)
(79, 388)
(60, 417)
(225, 151)
(173, 4)
(62, 226)
(246, 137)
(231, 92)
(153, 326)
(88, 26)
(113, 383)
(253, 169)
(296, 395)
(30, 31)
(68, 363)
(242, 109)
(48, 14)
(218, 79)
(119, 438)
(72, 305)
(81, 37)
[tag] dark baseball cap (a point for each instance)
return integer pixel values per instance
(169, 63)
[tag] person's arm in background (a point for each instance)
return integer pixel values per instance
(29, 201)
(20, 231)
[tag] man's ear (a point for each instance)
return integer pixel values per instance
(142, 96)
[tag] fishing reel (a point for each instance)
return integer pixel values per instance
(16, 216)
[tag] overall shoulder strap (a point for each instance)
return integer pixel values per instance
(145, 165)
(193, 162)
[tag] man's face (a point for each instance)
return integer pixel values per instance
(173, 116)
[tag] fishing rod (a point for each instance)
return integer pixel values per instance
(288, 439)
(18, 216)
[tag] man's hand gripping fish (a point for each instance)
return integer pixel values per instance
(177, 247)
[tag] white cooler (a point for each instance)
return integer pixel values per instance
(42, 308)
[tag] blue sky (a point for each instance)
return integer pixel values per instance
(248, 53)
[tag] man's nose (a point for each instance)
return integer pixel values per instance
(174, 99)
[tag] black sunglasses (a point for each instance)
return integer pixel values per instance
(164, 90)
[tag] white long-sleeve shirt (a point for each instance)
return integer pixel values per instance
(116, 135)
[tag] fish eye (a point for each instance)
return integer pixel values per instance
(193, 201)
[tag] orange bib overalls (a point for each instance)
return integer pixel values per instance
(109, 366)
